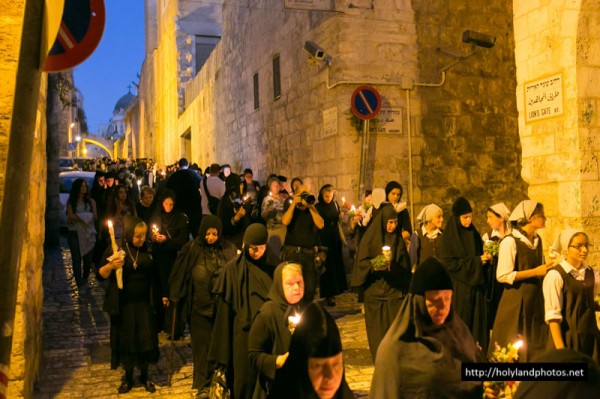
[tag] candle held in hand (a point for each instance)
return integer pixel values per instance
(111, 232)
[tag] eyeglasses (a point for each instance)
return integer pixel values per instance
(581, 246)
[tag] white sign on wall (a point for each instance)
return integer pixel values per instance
(330, 122)
(325, 5)
(543, 98)
(389, 120)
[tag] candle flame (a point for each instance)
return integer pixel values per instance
(353, 207)
(294, 319)
(343, 199)
(139, 182)
(386, 248)
(109, 223)
(518, 344)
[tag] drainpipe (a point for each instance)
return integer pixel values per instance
(18, 167)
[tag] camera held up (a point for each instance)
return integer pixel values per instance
(308, 198)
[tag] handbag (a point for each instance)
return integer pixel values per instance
(218, 385)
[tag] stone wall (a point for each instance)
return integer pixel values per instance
(560, 152)
(468, 140)
(286, 135)
(27, 329)
(27, 339)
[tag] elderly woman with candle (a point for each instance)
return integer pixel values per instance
(133, 337)
(384, 282)
(314, 368)
(274, 324)
(422, 352)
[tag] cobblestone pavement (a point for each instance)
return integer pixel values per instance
(76, 353)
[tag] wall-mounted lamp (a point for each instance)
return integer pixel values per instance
(478, 39)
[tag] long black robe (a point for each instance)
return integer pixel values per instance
(333, 281)
(419, 360)
(133, 336)
(194, 274)
(461, 249)
(174, 225)
(383, 290)
(243, 288)
(270, 335)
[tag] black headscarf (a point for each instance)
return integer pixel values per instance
(329, 211)
(316, 335)
(390, 186)
(168, 219)
(458, 241)
(370, 247)
(130, 223)
(424, 353)
(232, 183)
(276, 294)
(209, 222)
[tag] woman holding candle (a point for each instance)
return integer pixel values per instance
(333, 282)
(81, 217)
(521, 267)
(272, 328)
(422, 352)
(233, 211)
(393, 195)
(272, 213)
(462, 253)
(314, 368)
(192, 281)
(570, 290)
(133, 337)
(426, 240)
(170, 235)
(243, 288)
(384, 282)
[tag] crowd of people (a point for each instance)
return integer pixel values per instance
(242, 267)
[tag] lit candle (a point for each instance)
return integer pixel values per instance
(111, 232)
(139, 182)
(343, 200)
(386, 251)
(293, 322)
(353, 208)
(113, 242)
(154, 229)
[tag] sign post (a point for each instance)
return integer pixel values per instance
(366, 104)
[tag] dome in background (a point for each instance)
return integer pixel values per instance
(123, 102)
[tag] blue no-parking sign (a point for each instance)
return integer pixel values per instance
(366, 102)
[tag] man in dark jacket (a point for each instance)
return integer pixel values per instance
(186, 184)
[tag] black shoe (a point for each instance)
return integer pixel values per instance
(125, 387)
(149, 386)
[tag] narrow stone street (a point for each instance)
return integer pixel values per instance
(76, 353)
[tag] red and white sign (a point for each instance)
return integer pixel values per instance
(79, 34)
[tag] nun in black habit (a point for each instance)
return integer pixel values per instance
(243, 288)
(462, 254)
(420, 357)
(196, 269)
(272, 330)
(383, 288)
(314, 368)
(133, 336)
(333, 281)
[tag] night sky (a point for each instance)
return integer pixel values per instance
(103, 78)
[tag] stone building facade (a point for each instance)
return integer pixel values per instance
(470, 129)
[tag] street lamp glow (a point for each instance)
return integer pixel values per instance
(72, 125)
(78, 138)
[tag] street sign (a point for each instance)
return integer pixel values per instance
(80, 32)
(314, 5)
(366, 102)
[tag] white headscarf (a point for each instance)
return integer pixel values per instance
(523, 211)
(561, 243)
(427, 213)
(377, 197)
(502, 210)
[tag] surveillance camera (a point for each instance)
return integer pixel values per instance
(478, 38)
(314, 50)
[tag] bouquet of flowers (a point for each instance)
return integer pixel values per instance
(380, 263)
(509, 354)
(491, 247)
